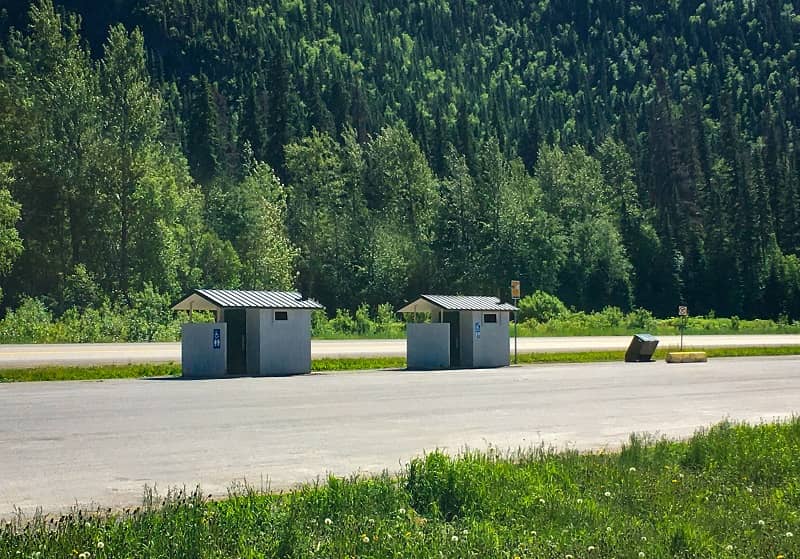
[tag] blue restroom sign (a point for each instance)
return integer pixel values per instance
(217, 338)
(478, 330)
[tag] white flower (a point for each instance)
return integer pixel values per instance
(464, 532)
(568, 556)
(365, 538)
(729, 547)
(100, 545)
(401, 511)
(454, 539)
(761, 523)
(607, 493)
(749, 489)
(641, 554)
(644, 538)
(608, 529)
(590, 548)
(533, 533)
(328, 521)
(541, 501)
(789, 535)
(632, 470)
(371, 520)
(579, 501)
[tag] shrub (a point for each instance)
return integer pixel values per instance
(641, 319)
(542, 307)
(30, 323)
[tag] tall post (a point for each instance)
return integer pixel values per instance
(515, 293)
(515, 334)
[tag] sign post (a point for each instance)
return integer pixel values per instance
(683, 312)
(515, 297)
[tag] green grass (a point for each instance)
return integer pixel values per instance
(355, 364)
(89, 373)
(660, 354)
(730, 492)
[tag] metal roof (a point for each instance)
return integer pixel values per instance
(460, 303)
(237, 299)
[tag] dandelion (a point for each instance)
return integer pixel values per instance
(780, 557)
(607, 493)
(789, 535)
(364, 538)
(674, 481)
(100, 545)
(328, 521)
(454, 539)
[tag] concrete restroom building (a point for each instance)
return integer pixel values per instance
(259, 333)
(464, 332)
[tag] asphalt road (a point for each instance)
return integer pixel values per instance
(100, 442)
(34, 355)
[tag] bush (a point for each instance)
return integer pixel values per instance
(30, 323)
(541, 307)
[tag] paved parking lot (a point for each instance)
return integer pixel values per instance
(101, 442)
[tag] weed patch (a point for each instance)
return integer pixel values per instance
(730, 491)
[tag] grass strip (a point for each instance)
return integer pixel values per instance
(730, 491)
(358, 364)
(90, 373)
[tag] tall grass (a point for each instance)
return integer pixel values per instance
(730, 491)
(149, 319)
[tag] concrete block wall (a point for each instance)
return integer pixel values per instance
(199, 358)
(428, 346)
(491, 348)
(285, 347)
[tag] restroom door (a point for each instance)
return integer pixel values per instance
(237, 341)
(454, 319)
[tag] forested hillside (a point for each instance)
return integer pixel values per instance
(611, 152)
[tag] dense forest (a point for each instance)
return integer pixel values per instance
(612, 152)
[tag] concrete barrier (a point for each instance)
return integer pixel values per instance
(687, 357)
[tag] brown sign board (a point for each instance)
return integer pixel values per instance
(515, 289)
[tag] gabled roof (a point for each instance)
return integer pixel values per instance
(427, 303)
(213, 299)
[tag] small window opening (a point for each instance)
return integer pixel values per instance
(490, 318)
(281, 315)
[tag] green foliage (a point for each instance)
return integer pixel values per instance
(147, 319)
(728, 491)
(384, 323)
(610, 154)
(10, 243)
(541, 307)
